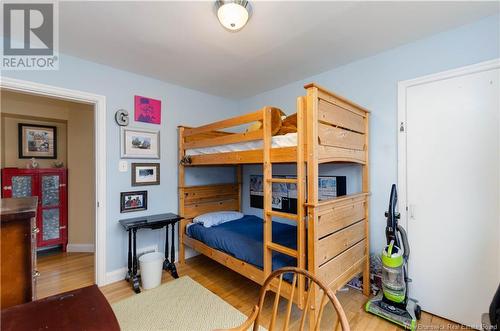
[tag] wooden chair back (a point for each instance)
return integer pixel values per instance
(312, 284)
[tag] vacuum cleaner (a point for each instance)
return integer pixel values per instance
(393, 302)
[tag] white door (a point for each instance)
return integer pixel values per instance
(452, 193)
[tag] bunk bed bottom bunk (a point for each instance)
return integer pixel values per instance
(243, 240)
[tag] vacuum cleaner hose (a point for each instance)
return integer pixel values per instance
(404, 239)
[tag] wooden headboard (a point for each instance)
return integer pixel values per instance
(196, 200)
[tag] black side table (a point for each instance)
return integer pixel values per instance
(159, 221)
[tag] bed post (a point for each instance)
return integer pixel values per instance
(181, 185)
(268, 189)
(312, 188)
(366, 189)
(301, 196)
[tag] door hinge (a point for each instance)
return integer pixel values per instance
(98, 204)
(402, 127)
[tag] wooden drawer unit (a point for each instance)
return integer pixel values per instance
(339, 214)
(334, 244)
(334, 268)
(18, 251)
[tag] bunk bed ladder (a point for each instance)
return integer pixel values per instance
(269, 213)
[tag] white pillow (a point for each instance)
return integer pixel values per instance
(216, 218)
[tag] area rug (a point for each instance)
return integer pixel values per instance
(179, 305)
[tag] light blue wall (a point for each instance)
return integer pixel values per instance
(179, 106)
(372, 82)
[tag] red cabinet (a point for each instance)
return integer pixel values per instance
(50, 186)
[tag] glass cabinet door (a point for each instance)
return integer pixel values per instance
(50, 191)
(50, 224)
(21, 186)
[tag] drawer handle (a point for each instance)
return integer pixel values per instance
(36, 273)
(62, 185)
(62, 227)
(36, 230)
(7, 188)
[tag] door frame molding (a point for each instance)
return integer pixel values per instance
(99, 103)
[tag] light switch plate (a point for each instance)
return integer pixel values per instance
(123, 166)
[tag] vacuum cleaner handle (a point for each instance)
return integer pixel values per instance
(392, 218)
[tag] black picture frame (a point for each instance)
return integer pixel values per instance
(127, 209)
(22, 143)
(135, 181)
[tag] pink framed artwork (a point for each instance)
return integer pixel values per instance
(147, 110)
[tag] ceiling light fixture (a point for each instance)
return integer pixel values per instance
(233, 14)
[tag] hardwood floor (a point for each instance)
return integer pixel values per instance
(62, 272)
(243, 294)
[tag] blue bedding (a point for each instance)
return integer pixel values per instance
(243, 239)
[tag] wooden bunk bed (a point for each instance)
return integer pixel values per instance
(334, 244)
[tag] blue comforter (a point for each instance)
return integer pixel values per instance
(243, 239)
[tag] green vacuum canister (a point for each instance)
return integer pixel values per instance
(393, 281)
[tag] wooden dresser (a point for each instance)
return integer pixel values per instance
(18, 251)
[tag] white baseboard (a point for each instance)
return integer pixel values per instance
(115, 275)
(119, 274)
(81, 248)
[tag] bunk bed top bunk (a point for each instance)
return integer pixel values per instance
(340, 138)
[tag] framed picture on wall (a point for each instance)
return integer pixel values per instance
(140, 143)
(133, 201)
(147, 110)
(37, 141)
(145, 174)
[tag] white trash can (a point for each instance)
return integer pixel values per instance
(151, 267)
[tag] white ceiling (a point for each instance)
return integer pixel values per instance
(183, 43)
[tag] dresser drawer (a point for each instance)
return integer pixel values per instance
(336, 243)
(337, 216)
(334, 268)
